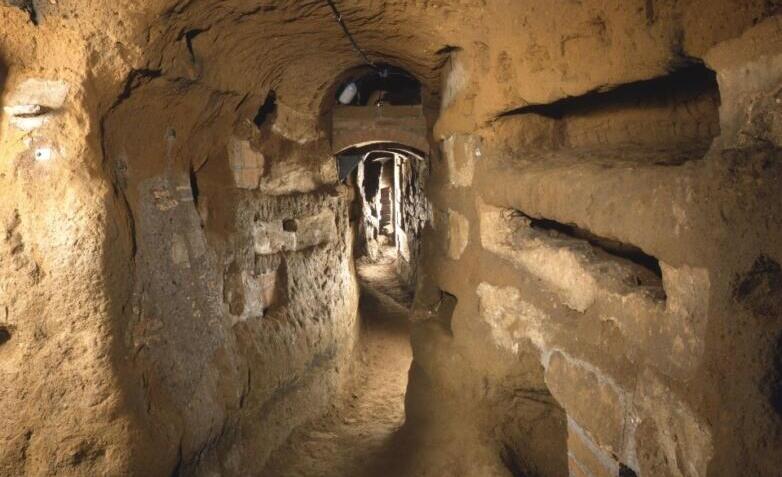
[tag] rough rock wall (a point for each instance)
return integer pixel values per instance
(74, 401)
(64, 405)
(616, 273)
(368, 174)
(154, 321)
(244, 304)
(412, 213)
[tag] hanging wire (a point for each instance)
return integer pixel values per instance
(338, 17)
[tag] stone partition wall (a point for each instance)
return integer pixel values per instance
(615, 261)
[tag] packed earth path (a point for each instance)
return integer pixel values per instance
(360, 436)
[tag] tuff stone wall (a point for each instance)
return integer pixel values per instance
(243, 312)
(607, 270)
(141, 333)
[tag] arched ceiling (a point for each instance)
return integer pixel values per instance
(527, 52)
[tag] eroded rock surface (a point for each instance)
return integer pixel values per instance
(597, 279)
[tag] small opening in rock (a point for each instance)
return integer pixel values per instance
(135, 79)
(189, 36)
(267, 108)
(194, 186)
(5, 335)
(512, 461)
(39, 110)
(447, 49)
(289, 225)
(445, 310)
(29, 7)
(625, 471)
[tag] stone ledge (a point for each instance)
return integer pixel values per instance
(590, 397)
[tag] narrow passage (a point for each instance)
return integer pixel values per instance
(355, 437)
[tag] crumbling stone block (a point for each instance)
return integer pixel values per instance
(455, 230)
(295, 125)
(247, 165)
(460, 152)
(670, 430)
(749, 71)
(670, 333)
(586, 457)
(315, 229)
(292, 176)
(292, 235)
(590, 397)
(458, 234)
(457, 79)
(510, 318)
(558, 263)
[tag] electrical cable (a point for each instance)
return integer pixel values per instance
(338, 17)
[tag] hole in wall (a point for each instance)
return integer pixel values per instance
(5, 335)
(28, 6)
(775, 378)
(39, 110)
(667, 120)
(445, 310)
(189, 36)
(512, 461)
(642, 270)
(289, 225)
(267, 109)
(135, 79)
(685, 83)
(613, 247)
(43, 154)
(194, 186)
(625, 471)
(447, 50)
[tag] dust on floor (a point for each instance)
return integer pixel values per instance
(361, 431)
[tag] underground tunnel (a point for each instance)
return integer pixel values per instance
(344, 238)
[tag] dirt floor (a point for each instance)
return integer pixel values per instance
(361, 433)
